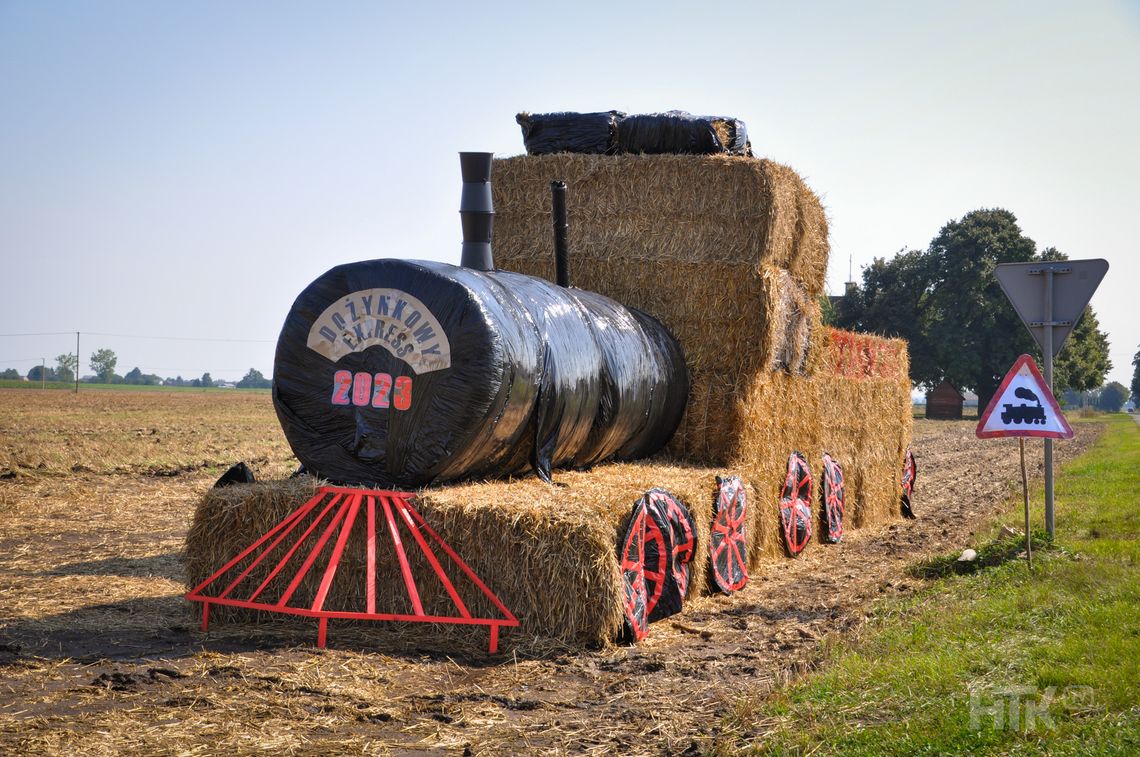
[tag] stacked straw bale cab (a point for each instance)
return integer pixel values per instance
(728, 252)
(731, 254)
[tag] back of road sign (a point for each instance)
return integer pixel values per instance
(1023, 406)
(1074, 282)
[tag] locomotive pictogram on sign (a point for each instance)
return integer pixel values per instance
(1023, 406)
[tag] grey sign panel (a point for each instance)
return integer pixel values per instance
(1068, 284)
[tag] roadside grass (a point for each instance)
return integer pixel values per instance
(1001, 660)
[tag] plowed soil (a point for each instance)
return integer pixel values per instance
(100, 653)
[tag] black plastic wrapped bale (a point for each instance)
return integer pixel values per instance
(402, 373)
(590, 133)
(679, 132)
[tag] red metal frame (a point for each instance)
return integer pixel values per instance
(347, 503)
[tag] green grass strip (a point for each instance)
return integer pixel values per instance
(998, 661)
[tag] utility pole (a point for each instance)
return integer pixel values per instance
(43, 373)
(77, 362)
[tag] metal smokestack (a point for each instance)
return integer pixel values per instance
(476, 211)
(561, 253)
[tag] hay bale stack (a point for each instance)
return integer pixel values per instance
(865, 416)
(549, 553)
(662, 209)
(728, 252)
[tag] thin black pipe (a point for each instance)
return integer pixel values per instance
(561, 252)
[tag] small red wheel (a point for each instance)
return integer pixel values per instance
(726, 547)
(795, 505)
(909, 476)
(832, 494)
(635, 597)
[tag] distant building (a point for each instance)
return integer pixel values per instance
(944, 401)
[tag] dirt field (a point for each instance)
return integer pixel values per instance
(100, 653)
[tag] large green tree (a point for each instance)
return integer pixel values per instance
(103, 362)
(1112, 397)
(947, 303)
(66, 366)
(254, 380)
(1083, 362)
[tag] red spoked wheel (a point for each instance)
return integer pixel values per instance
(635, 595)
(795, 505)
(726, 547)
(668, 518)
(656, 562)
(909, 476)
(832, 494)
(910, 473)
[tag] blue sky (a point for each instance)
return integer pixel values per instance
(184, 170)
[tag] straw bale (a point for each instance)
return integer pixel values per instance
(866, 419)
(781, 415)
(663, 209)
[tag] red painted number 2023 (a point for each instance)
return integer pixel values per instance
(372, 389)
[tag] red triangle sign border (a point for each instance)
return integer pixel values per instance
(1023, 361)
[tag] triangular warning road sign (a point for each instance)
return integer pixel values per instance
(1027, 407)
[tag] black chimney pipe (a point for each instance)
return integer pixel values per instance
(561, 253)
(476, 211)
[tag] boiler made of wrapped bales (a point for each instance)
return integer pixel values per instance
(402, 373)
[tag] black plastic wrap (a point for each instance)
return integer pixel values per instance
(679, 132)
(457, 373)
(239, 473)
(592, 133)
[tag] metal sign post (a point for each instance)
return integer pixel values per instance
(1050, 308)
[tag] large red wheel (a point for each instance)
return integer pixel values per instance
(727, 554)
(795, 505)
(635, 597)
(832, 495)
(669, 519)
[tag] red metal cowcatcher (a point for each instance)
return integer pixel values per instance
(795, 505)
(726, 547)
(339, 507)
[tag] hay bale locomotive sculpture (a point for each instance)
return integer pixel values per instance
(696, 331)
